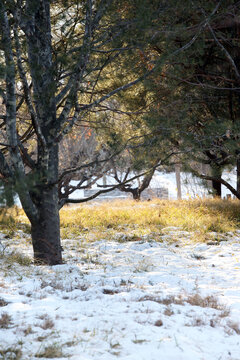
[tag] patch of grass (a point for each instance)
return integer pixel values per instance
(139, 341)
(51, 351)
(5, 321)
(198, 257)
(28, 330)
(15, 257)
(205, 301)
(3, 302)
(47, 324)
(136, 219)
(171, 299)
(144, 265)
(168, 311)
(110, 291)
(198, 216)
(197, 321)
(235, 326)
(11, 353)
(11, 219)
(195, 299)
(19, 258)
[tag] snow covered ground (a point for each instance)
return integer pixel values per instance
(138, 300)
(191, 186)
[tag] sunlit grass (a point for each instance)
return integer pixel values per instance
(106, 219)
(190, 215)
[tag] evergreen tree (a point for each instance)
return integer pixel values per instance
(196, 94)
(57, 60)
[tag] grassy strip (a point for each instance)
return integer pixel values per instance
(191, 215)
(199, 216)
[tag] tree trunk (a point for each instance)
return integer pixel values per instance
(46, 231)
(178, 181)
(9, 194)
(136, 194)
(216, 185)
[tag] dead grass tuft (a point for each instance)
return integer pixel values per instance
(51, 352)
(47, 324)
(196, 299)
(3, 302)
(205, 301)
(110, 291)
(171, 299)
(168, 311)
(235, 326)
(28, 330)
(5, 320)
(18, 258)
(11, 353)
(198, 322)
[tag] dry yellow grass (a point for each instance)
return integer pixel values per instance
(190, 215)
(104, 219)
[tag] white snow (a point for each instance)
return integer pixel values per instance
(191, 186)
(131, 301)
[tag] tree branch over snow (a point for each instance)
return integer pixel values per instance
(64, 201)
(219, 180)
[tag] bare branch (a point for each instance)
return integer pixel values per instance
(90, 164)
(219, 180)
(77, 201)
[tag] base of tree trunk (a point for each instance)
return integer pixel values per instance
(47, 249)
(46, 252)
(217, 189)
(46, 231)
(136, 194)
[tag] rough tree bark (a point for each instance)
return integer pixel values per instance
(46, 231)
